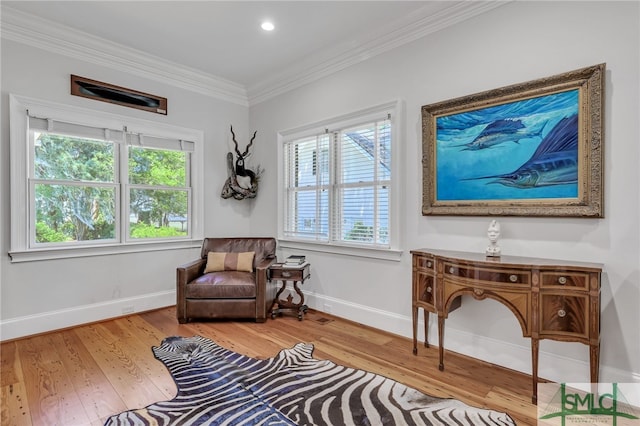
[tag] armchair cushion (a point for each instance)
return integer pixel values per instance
(223, 285)
(222, 261)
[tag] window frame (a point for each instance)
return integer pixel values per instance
(22, 211)
(334, 245)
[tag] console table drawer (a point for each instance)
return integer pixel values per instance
(423, 262)
(424, 287)
(573, 280)
(291, 274)
(564, 314)
(512, 278)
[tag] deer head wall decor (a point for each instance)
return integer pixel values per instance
(242, 183)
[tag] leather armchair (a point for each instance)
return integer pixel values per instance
(229, 293)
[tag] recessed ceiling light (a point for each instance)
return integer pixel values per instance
(267, 26)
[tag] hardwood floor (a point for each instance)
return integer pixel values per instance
(82, 375)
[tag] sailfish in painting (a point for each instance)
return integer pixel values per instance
(555, 162)
(499, 131)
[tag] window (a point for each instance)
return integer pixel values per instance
(90, 179)
(74, 188)
(158, 193)
(338, 181)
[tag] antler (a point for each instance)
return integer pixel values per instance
(235, 142)
(246, 151)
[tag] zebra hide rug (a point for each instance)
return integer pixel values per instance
(217, 386)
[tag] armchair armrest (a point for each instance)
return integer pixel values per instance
(262, 277)
(190, 271)
(185, 274)
(264, 295)
(265, 264)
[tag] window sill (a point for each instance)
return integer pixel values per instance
(73, 252)
(373, 253)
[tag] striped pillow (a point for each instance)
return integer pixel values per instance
(221, 261)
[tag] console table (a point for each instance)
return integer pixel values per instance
(552, 299)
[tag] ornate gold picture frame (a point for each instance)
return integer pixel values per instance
(530, 149)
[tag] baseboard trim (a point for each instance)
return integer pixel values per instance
(64, 318)
(552, 366)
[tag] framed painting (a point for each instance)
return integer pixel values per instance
(530, 149)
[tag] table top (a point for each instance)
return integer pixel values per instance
(283, 266)
(508, 260)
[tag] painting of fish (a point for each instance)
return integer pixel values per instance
(532, 148)
(518, 138)
(500, 131)
(555, 161)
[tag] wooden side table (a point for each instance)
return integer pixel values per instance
(296, 275)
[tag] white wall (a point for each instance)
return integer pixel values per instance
(517, 42)
(39, 296)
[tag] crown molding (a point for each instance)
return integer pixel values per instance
(45, 34)
(413, 27)
(53, 37)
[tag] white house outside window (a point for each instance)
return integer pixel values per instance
(92, 180)
(338, 180)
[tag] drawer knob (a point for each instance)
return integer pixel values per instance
(562, 280)
(429, 289)
(562, 313)
(286, 274)
(452, 270)
(429, 264)
(513, 278)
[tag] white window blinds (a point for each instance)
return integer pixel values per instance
(307, 182)
(338, 184)
(363, 177)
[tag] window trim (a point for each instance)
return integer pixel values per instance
(20, 250)
(393, 252)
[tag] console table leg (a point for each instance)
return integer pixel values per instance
(426, 327)
(300, 293)
(594, 360)
(441, 342)
(415, 330)
(534, 369)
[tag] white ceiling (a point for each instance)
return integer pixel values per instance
(223, 39)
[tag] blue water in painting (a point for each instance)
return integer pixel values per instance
(456, 158)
